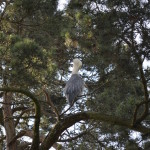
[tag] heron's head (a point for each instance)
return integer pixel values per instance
(77, 63)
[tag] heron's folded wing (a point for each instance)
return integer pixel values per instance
(73, 87)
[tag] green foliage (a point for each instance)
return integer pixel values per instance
(131, 145)
(106, 33)
(38, 44)
(146, 145)
(26, 62)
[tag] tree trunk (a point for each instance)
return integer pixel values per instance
(9, 122)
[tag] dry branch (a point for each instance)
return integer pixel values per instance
(51, 104)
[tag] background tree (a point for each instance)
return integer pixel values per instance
(37, 45)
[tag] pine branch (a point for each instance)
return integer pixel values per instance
(67, 122)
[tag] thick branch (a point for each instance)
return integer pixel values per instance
(8, 121)
(20, 134)
(62, 125)
(28, 133)
(35, 143)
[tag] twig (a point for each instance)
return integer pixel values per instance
(51, 104)
(66, 110)
(21, 108)
(20, 134)
(26, 110)
(73, 138)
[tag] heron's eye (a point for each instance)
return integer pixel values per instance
(71, 65)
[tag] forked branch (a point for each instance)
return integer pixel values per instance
(35, 142)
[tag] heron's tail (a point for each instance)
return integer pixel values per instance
(70, 99)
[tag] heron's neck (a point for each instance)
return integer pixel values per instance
(75, 70)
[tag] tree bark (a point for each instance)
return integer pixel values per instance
(8, 122)
(35, 142)
(62, 125)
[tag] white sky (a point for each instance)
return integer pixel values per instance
(146, 64)
(62, 4)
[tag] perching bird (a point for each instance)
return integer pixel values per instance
(75, 84)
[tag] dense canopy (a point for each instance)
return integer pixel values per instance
(38, 43)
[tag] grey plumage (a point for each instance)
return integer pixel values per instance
(73, 88)
(75, 84)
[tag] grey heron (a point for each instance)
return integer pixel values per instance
(75, 84)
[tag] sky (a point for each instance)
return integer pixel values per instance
(62, 4)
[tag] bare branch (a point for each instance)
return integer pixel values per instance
(73, 138)
(28, 133)
(21, 108)
(25, 111)
(66, 110)
(20, 134)
(51, 104)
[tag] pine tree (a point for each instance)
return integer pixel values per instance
(37, 45)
